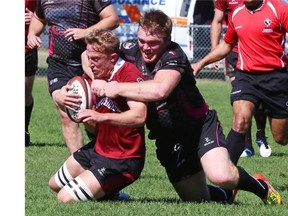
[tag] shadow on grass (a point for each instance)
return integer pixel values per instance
(279, 154)
(46, 145)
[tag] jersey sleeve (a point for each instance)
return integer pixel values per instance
(230, 36)
(283, 7)
(220, 5)
(101, 4)
(175, 59)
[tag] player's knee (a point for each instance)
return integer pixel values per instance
(241, 124)
(60, 179)
(281, 139)
(64, 197)
(224, 179)
(52, 184)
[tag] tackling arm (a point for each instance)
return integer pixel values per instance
(147, 91)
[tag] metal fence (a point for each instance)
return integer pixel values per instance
(199, 46)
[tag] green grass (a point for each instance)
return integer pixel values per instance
(152, 194)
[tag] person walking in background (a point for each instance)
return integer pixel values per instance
(188, 135)
(202, 18)
(259, 27)
(223, 11)
(69, 22)
(31, 66)
(115, 158)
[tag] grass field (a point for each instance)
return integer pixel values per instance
(151, 194)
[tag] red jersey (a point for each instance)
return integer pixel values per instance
(260, 35)
(114, 141)
(228, 6)
(31, 5)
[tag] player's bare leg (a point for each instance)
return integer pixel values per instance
(71, 132)
(279, 129)
(219, 169)
(193, 188)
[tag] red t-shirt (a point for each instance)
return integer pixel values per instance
(228, 6)
(114, 141)
(260, 35)
(31, 5)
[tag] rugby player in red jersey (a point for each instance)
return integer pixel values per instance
(115, 158)
(259, 27)
(223, 13)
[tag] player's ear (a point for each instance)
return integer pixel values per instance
(114, 57)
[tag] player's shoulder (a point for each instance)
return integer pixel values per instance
(174, 51)
(129, 46)
(129, 50)
(283, 4)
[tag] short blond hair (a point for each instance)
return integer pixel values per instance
(104, 41)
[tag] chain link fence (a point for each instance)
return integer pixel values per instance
(199, 46)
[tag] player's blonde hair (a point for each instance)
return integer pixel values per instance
(156, 22)
(104, 41)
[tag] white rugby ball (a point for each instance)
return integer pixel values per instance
(80, 86)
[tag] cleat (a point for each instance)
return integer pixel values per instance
(248, 152)
(273, 197)
(264, 147)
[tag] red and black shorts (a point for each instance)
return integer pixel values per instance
(269, 89)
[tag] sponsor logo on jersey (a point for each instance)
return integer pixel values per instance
(267, 23)
(172, 52)
(108, 102)
(128, 45)
(139, 79)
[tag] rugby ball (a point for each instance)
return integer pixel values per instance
(80, 86)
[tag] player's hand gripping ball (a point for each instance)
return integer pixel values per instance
(80, 86)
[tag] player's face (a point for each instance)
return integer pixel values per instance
(100, 63)
(151, 46)
(252, 2)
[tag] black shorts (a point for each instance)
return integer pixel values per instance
(181, 156)
(59, 73)
(31, 63)
(230, 64)
(112, 174)
(269, 89)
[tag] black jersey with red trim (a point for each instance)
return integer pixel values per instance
(185, 102)
(61, 15)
